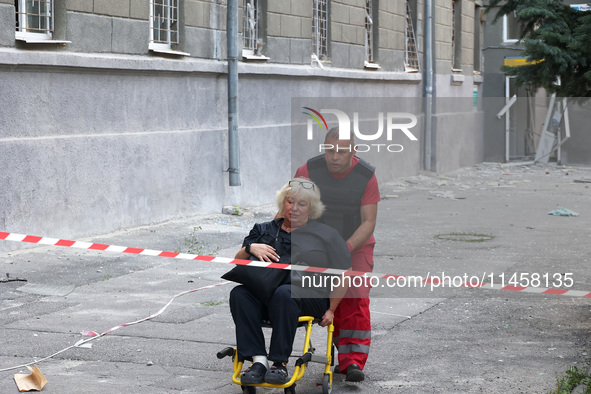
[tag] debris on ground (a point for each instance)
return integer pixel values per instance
(30, 382)
(563, 212)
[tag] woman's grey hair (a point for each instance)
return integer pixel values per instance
(302, 188)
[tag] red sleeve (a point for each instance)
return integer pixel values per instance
(302, 172)
(371, 195)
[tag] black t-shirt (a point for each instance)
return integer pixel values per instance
(317, 245)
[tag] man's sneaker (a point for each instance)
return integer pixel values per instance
(354, 374)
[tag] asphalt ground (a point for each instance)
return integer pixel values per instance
(424, 340)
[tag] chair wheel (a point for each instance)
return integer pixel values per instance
(290, 389)
(326, 386)
(249, 390)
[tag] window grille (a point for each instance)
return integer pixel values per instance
(251, 27)
(34, 18)
(163, 24)
(411, 57)
(369, 42)
(320, 29)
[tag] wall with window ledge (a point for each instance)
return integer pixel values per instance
(90, 28)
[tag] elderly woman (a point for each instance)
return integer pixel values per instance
(312, 243)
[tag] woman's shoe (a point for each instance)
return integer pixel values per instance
(255, 374)
(277, 374)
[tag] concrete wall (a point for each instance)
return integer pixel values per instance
(577, 150)
(95, 143)
(457, 137)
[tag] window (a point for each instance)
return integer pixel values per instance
(252, 29)
(163, 24)
(34, 20)
(511, 28)
(370, 40)
(478, 18)
(320, 29)
(456, 35)
(411, 57)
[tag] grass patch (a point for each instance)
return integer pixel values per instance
(465, 237)
(192, 245)
(211, 303)
(572, 378)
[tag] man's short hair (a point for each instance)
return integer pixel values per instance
(334, 133)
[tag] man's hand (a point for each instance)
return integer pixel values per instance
(327, 318)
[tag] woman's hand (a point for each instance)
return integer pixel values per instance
(264, 252)
(327, 318)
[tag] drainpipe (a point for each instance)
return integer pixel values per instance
(233, 143)
(428, 78)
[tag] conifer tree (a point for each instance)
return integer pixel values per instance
(557, 42)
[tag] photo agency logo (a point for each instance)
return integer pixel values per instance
(389, 124)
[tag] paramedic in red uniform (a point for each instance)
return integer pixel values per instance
(349, 190)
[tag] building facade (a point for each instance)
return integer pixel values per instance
(114, 112)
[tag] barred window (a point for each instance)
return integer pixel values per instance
(320, 29)
(411, 57)
(250, 27)
(34, 19)
(369, 41)
(163, 24)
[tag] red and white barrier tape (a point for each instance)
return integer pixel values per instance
(159, 253)
(434, 280)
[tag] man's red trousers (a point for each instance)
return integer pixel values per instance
(352, 321)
